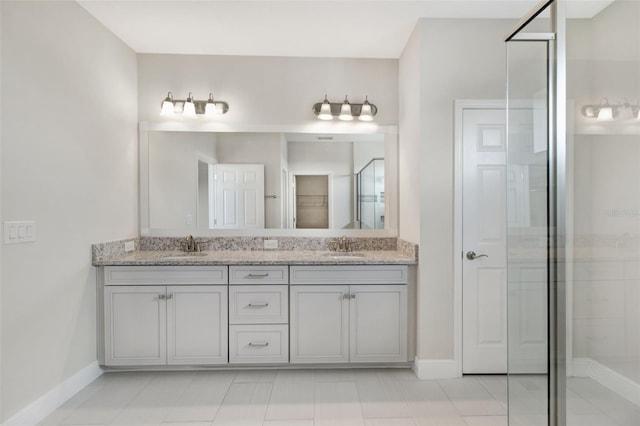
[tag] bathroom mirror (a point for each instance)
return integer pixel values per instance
(258, 181)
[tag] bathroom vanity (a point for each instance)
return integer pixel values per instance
(239, 308)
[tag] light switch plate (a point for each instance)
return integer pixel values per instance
(270, 244)
(16, 232)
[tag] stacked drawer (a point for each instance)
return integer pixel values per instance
(258, 314)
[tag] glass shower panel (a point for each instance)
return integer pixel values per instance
(527, 231)
(603, 90)
(370, 195)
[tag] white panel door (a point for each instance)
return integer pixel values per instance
(484, 286)
(197, 324)
(239, 196)
(319, 324)
(378, 323)
(135, 325)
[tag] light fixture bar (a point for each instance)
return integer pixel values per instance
(336, 107)
(604, 111)
(200, 106)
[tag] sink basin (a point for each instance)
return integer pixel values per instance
(347, 254)
(182, 256)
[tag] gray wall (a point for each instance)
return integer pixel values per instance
(457, 59)
(268, 90)
(69, 162)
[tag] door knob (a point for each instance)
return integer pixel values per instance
(471, 255)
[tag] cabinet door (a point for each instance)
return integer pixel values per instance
(319, 324)
(135, 325)
(378, 323)
(197, 324)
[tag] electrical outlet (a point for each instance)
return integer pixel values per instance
(129, 246)
(270, 244)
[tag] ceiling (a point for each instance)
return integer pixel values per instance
(307, 28)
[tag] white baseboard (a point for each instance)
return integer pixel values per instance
(427, 369)
(623, 386)
(46, 404)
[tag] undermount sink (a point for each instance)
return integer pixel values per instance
(182, 256)
(348, 254)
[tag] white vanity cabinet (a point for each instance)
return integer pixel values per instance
(159, 315)
(348, 314)
(258, 314)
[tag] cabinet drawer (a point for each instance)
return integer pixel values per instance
(342, 274)
(258, 304)
(259, 274)
(165, 275)
(253, 344)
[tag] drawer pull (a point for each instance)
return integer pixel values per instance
(259, 344)
(258, 275)
(258, 305)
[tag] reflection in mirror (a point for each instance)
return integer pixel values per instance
(269, 180)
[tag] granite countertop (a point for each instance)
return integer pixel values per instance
(256, 257)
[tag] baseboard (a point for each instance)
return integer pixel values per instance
(46, 404)
(623, 386)
(427, 369)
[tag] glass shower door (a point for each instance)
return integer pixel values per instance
(531, 215)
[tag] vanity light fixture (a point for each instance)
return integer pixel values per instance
(325, 110)
(167, 105)
(366, 114)
(345, 110)
(191, 107)
(605, 111)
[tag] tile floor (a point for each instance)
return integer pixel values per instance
(349, 397)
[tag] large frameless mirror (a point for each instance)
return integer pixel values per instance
(268, 183)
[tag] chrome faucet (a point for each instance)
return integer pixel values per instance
(342, 245)
(190, 245)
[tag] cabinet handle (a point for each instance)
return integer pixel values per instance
(162, 297)
(260, 344)
(352, 296)
(170, 296)
(258, 305)
(258, 275)
(346, 296)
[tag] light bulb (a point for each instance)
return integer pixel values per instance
(189, 107)
(345, 111)
(167, 105)
(366, 113)
(325, 110)
(210, 109)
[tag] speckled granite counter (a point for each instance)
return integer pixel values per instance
(236, 257)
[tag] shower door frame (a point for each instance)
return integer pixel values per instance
(556, 195)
